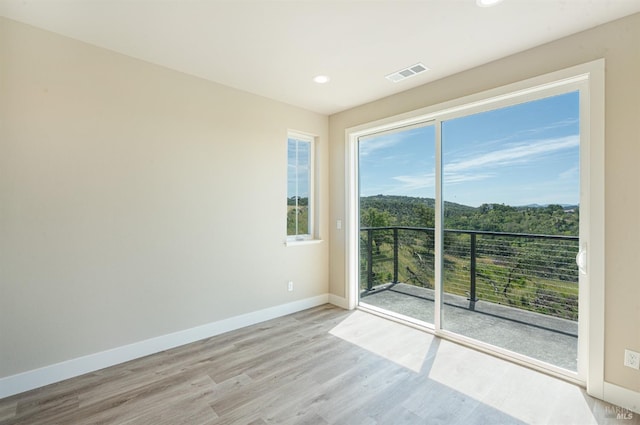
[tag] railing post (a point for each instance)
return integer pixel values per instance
(369, 259)
(472, 271)
(395, 255)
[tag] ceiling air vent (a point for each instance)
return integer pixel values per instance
(407, 72)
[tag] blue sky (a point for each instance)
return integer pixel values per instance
(298, 162)
(519, 155)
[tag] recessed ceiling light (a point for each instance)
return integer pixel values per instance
(487, 3)
(321, 79)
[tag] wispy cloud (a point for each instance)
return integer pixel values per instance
(417, 181)
(368, 147)
(424, 181)
(371, 144)
(478, 167)
(541, 129)
(523, 152)
(530, 133)
(453, 178)
(571, 173)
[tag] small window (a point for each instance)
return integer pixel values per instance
(300, 187)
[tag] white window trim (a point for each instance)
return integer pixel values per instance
(294, 242)
(589, 78)
(311, 237)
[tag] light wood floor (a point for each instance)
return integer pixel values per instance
(320, 366)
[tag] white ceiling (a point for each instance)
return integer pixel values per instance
(274, 48)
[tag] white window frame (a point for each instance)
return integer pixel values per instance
(311, 207)
(589, 79)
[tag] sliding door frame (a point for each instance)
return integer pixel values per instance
(589, 80)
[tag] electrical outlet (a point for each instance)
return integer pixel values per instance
(632, 359)
(290, 286)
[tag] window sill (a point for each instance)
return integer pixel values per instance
(302, 242)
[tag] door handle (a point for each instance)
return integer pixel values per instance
(581, 259)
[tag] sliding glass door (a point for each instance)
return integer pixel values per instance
(470, 219)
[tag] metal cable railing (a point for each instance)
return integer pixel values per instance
(528, 271)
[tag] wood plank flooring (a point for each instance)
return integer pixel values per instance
(320, 366)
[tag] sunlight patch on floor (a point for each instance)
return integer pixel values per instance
(524, 394)
(515, 390)
(403, 345)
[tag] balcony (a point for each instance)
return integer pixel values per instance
(512, 290)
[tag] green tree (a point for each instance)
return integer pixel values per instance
(373, 217)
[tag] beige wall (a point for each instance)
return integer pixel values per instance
(136, 201)
(619, 44)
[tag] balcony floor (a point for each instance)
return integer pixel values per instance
(546, 338)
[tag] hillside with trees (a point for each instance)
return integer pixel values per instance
(529, 272)
(384, 210)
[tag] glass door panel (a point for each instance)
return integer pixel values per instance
(511, 227)
(397, 198)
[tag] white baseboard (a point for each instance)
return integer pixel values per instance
(339, 301)
(36, 378)
(622, 397)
